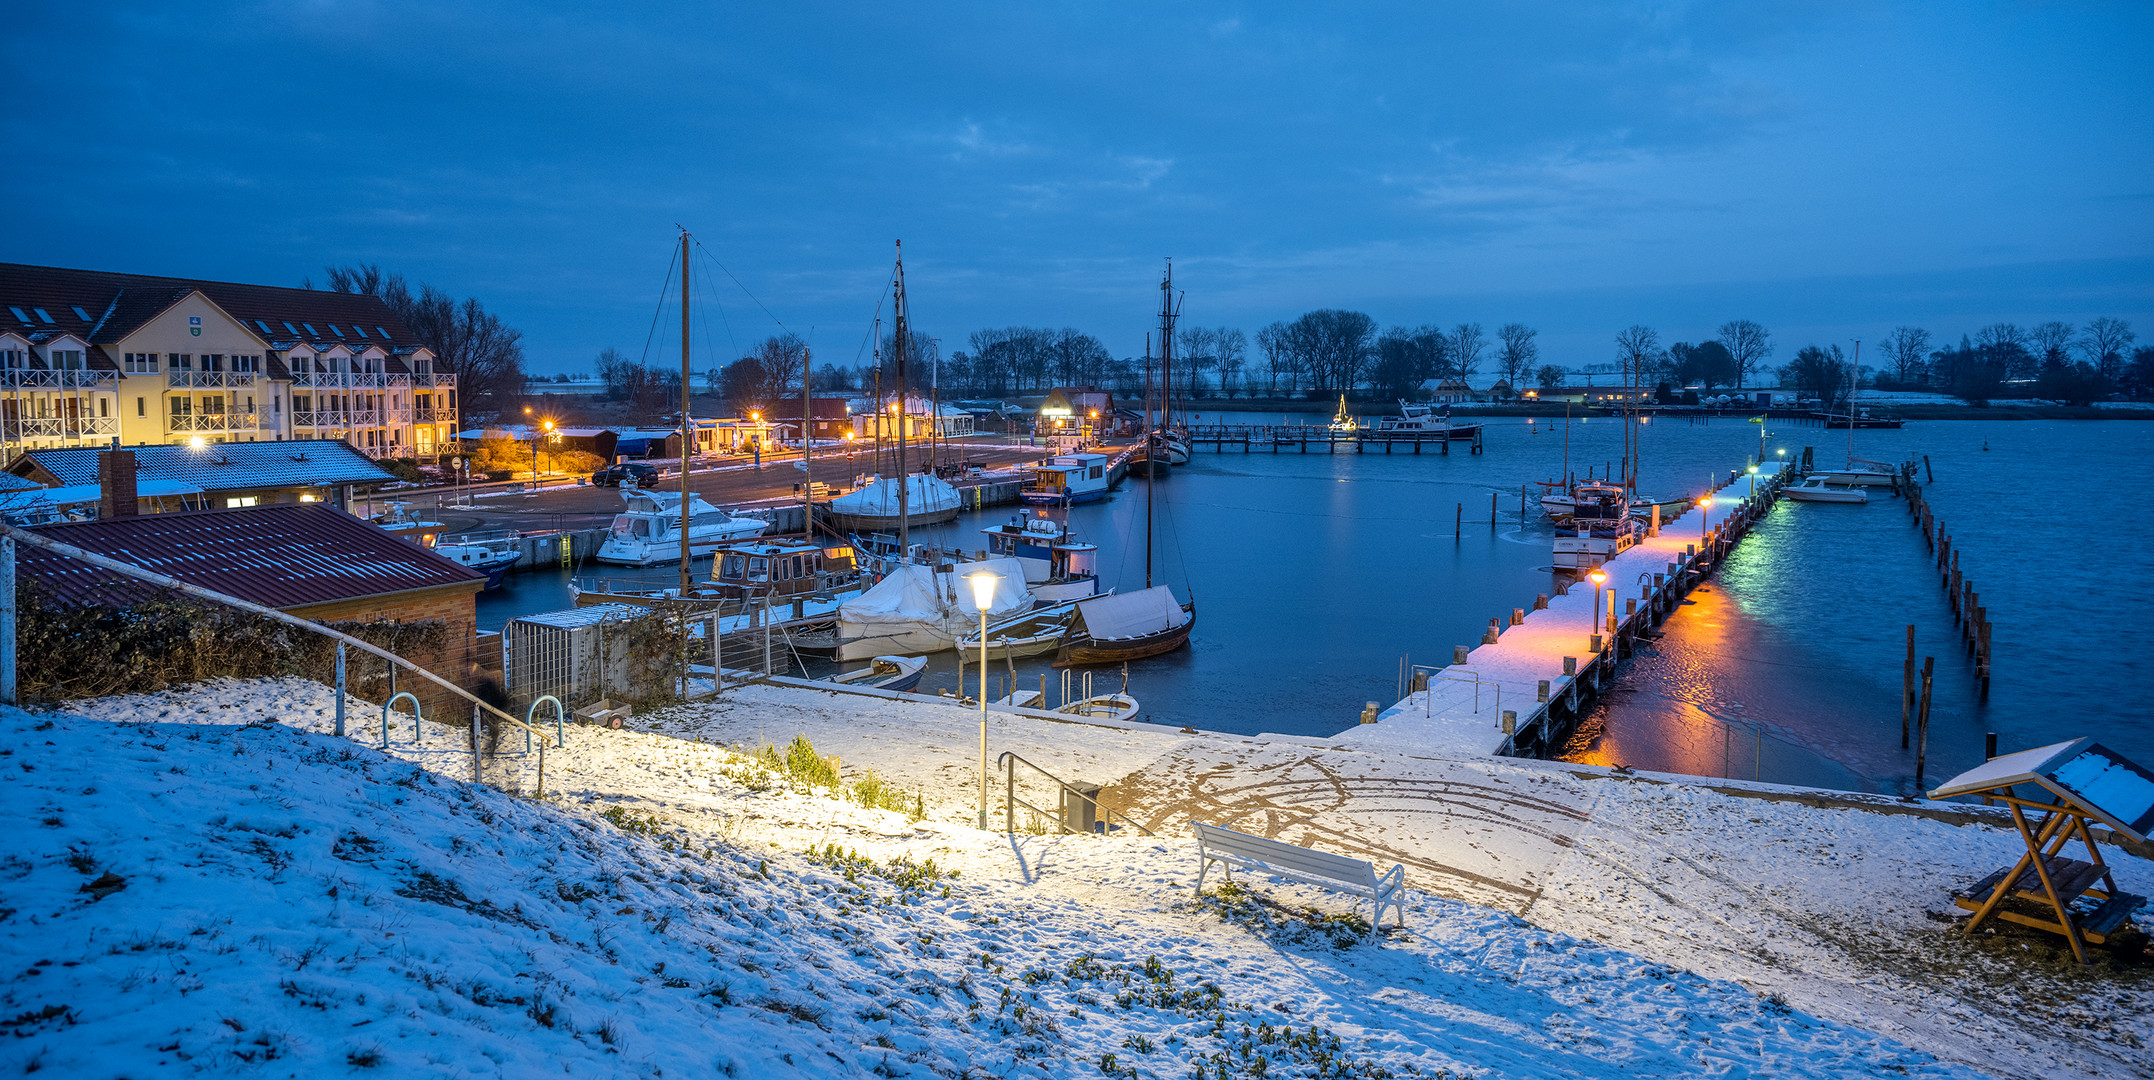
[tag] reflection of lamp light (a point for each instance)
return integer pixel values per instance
(983, 594)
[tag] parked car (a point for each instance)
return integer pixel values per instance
(632, 473)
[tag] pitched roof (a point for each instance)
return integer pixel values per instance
(282, 556)
(115, 305)
(220, 466)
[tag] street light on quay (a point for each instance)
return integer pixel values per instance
(983, 594)
(1753, 481)
(1705, 517)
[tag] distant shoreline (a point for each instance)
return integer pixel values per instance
(1924, 411)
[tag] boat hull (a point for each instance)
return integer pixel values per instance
(1858, 478)
(1850, 495)
(844, 522)
(650, 553)
(1087, 650)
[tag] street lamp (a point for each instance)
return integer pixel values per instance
(983, 594)
(1753, 481)
(1599, 577)
(1705, 516)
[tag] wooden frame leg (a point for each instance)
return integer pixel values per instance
(2041, 868)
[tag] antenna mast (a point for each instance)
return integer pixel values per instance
(688, 424)
(902, 346)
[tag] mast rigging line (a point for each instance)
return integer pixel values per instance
(707, 253)
(663, 290)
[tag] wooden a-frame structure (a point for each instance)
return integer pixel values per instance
(2079, 782)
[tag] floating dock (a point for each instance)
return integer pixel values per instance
(1518, 692)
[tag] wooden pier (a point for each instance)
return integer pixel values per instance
(1221, 437)
(1534, 673)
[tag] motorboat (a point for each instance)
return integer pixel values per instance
(490, 553)
(919, 609)
(1600, 528)
(1029, 634)
(929, 500)
(781, 569)
(1816, 489)
(1423, 421)
(1860, 473)
(399, 518)
(1057, 566)
(1120, 627)
(899, 673)
(1067, 479)
(649, 531)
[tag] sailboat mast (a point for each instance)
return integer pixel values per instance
(1852, 368)
(807, 447)
(688, 424)
(902, 346)
(1166, 348)
(1151, 466)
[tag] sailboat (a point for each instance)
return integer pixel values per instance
(1343, 422)
(1860, 472)
(1121, 627)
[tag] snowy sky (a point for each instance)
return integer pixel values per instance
(1830, 169)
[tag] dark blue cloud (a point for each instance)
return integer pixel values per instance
(1576, 166)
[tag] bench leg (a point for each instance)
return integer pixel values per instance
(1204, 866)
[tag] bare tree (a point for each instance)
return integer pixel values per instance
(2007, 343)
(1907, 348)
(485, 354)
(2105, 344)
(1337, 344)
(1550, 377)
(1749, 343)
(1230, 350)
(1468, 345)
(1194, 353)
(1637, 348)
(1517, 353)
(1824, 372)
(2052, 344)
(1276, 340)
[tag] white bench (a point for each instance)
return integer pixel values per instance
(1355, 877)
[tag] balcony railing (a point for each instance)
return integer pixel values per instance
(435, 415)
(194, 378)
(58, 427)
(42, 378)
(368, 378)
(229, 421)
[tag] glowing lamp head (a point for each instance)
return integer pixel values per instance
(1753, 468)
(1706, 503)
(197, 443)
(848, 436)
(527, 410)
(1783, 451)
(983, 588)
(756, 416)
(1600, 578)
(546, 424)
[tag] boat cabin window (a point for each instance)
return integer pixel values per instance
(733, 567)
(1098, 472)
(796, 566)
(759, 569)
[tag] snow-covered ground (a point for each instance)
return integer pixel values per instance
(209, 882)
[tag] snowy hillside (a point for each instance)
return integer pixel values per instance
(196, 889)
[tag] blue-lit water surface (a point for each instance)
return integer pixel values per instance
(1315, 574)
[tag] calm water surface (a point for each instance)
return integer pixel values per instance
(1315, 574)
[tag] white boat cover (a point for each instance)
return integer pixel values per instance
(917, 593)
(1123, 616)
(925, 495)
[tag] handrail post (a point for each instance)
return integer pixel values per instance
(475, 743)
(7, 620)
(390, 706)
(340, 688)
(560, 721)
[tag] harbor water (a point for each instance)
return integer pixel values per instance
(1317, 576)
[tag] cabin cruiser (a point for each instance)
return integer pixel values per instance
(1601, 528)
(919, 609)
(1057, 567)
(1424, 421)
(490, 553)
(1067, 479)
(650, 531)
(1816, 489)
(929, 500)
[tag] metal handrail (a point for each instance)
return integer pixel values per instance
(69, 551)
(1009, 762)
(1429, 702)
(417, 718)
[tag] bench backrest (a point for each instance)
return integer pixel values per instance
(1286, 856)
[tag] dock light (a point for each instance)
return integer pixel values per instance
(983, 594)
(1753, 481)
(1600, 577)
(197, 442)
(1705, 514)
(756, 416)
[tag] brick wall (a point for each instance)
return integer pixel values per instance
(458, 658)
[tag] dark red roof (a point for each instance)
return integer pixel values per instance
(282, 556)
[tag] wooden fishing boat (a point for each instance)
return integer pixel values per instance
(1037, 631)
(1120, 627)
(900, 673)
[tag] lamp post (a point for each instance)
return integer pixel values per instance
(1705, 517)
(1599, 577)
(983, 594)
(1753, 481)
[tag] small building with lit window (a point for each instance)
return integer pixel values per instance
(1074, 410)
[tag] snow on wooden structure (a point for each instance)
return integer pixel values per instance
(2088, 782)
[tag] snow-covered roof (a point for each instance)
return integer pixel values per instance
(237, 466)
(2095, 777)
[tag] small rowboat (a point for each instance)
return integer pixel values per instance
(886, 673)
(1030, 634)
(1103, 707)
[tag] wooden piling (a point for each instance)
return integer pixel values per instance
(1922, 722)
(1907, 685)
